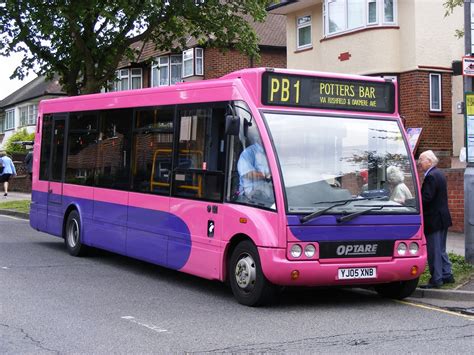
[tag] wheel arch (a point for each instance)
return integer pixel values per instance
(233, 242)
(67, 212)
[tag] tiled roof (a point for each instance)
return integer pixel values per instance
(36, 88)
(271, 33)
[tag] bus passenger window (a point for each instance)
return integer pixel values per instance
(82, 148)
(113, 152)
(152, 150)
(199, 169)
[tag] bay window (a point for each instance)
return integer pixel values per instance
(346, 15)
(166, 70)
(28, 115)
(171, 69)
(193, 62)
(128, 79)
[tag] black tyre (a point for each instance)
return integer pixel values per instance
(249, 285)
(72, 235)
(397, 290)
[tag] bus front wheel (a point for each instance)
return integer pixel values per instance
(248, 283)
(72, 235)
(397, 290)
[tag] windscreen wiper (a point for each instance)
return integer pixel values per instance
(335, 204)
(351, 216)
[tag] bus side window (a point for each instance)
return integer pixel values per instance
(153, 150)
(200, 160)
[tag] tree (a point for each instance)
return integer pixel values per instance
(449, 5)
(83, 41)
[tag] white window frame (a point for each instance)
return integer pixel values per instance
(28, 115)
(198, 54)
(376, 22)
(175, 56)
(23, 115)
(165, 61)
(121, 75)
(188, 56)
(379, 21)
(2, 124)
(432, 108)
(129, 75)
(301, 26)
(134, 76)
(395, 10)
(9, 119)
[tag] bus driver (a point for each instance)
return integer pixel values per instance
(254, 173)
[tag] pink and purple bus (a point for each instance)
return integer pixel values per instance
(263, 178)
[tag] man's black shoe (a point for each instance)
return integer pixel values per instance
(428, 286)
(449, 280)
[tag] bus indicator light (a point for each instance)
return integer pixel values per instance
(243, 220)
(414, 270)
(295, 274)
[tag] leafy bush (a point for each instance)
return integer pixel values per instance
(21, 136)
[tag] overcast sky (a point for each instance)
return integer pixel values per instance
(7, 66)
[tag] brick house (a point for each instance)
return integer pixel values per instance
(158, 68)
(410, 40)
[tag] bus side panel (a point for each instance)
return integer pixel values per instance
(109, 227)
(146, 236)
(262, 226)
(147, 233)
(39, 210)
(191, 247)
(81, 197)
(54, 224)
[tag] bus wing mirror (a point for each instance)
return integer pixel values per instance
(232, 125)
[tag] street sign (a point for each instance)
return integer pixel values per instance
(469, 100)
(468, 66)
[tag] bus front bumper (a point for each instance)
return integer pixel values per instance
(279, 270)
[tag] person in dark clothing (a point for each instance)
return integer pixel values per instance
(437, 220)
(29, 163)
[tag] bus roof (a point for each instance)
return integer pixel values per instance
(266, 87)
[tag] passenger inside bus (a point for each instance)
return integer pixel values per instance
(399, 191)
(255, 182)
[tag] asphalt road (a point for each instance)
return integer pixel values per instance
(51, 302)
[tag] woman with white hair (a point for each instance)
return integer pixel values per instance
(400, 191)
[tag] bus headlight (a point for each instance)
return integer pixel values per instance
(309, 250)
(413, 248)
(296, 251)
(402, 249)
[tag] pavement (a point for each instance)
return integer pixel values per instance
(458, 299)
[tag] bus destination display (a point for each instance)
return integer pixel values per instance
(327, 93)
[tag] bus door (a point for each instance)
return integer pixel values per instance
(198, 187)
(55, 184)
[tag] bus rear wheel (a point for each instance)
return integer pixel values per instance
(248, 283)
(397, 290)
(72, 235)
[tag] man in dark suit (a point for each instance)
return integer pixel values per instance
(437, 220)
